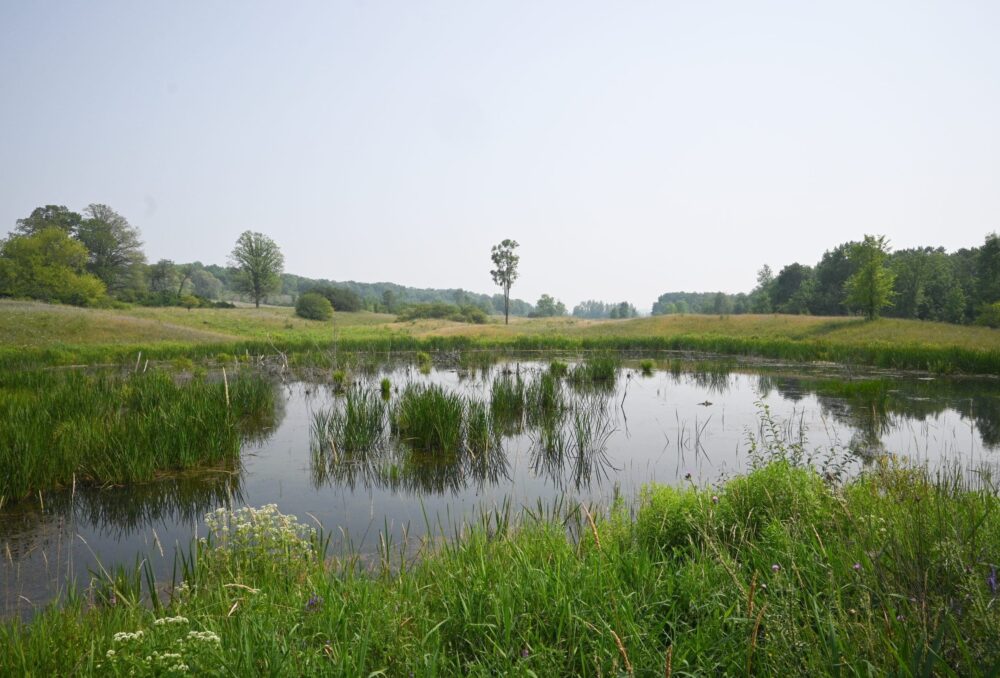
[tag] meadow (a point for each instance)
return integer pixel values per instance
(39, 334)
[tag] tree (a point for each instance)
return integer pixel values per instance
(50, 216)
(548, 307)
(791, 290)
(47, 265)
(760, 297)
(259, 263)
(869, 289)
(830, 276)
(505, 272)
(113, 244)
(163, 277)
(206, 285)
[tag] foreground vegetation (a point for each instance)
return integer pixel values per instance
(34, 334)
(61, 428)
(776, 572)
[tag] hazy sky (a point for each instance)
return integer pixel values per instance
(631, 147)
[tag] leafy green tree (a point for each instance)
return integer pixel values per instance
(792, 289)
(50, 216)
(206, 285)
(988, 270)
(259, 263)
(830, 276)
(869, 290)
(113, 245)
(926, 286)
(48, 265)
(592, 309)
(760, 297)
(505, 273)
(313, 306)
(163, 277)
(548, 307)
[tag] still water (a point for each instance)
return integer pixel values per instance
(666, 427)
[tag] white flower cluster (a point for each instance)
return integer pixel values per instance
(204, 636)
(125, 636)
(170, 620)
(259, 531)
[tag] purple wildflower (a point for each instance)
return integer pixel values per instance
(857, 567)
(314, 602)
(776, 568)
(991, 580)
(524, 653)
(715, 499)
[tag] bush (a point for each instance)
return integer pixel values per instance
(443, 311)
(342, 299)
(313, 306)
(989, 315)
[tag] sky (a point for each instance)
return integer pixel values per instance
(631, 148)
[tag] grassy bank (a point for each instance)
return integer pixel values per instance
(59, 428)
(39, 334)
(773, 573)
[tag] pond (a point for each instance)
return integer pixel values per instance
(581, 440)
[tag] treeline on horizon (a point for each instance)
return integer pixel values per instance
(928, 283)
(95, 258)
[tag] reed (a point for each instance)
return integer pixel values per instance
(429, 418)
(772, 573)
(57, 428)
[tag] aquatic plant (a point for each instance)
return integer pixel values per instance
(429, 418)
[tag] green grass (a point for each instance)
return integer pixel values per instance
(774, 573)
(34, 333)
(60, 428)
(430, 419)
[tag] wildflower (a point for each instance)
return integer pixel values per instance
(524, 652)
(715, 499)
(991, 580)
(314, 602)
(170, 620)
(776, 568)
(123, 636)
(900, 618)
(857, 567)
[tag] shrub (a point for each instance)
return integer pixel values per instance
(313, 306)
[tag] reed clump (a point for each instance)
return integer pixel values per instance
(57, 428)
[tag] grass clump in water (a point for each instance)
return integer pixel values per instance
(507, 402)
(647, 367)
(558, 369)
(355, 426)
(57, 428)
(429, 418)
(599, 371)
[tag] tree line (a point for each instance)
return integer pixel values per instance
(925, 283)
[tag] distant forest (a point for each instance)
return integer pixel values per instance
(95, 258)
(927, 283)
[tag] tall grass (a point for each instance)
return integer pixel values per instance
(60, 428)
(772, 573)
(429, 418)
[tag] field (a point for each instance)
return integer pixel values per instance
(35, 333)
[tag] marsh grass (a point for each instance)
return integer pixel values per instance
(429, 418)
(773, 573)
(507, 402)
(61, 428)
(355, 425)
(598, 371)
